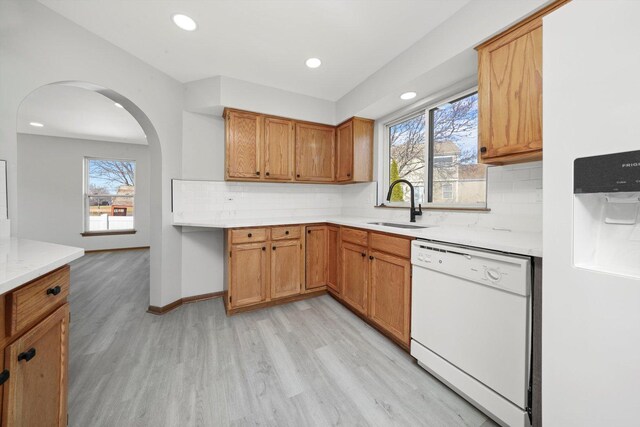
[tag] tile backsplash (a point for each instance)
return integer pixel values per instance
(197, 201)
(514, 197)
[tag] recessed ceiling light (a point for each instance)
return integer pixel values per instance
(184, 22)
(36, 124)
(408, 95)
(313, 62)
(118, 105)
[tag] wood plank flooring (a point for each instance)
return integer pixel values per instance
(309, 363)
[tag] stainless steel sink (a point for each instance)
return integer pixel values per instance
(391, 224)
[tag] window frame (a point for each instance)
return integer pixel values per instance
(86, 197)
(426, 109)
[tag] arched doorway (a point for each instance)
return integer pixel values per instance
(149, 133)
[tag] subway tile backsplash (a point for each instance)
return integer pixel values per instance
(514, 197)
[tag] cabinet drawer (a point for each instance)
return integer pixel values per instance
(248, 235)
(38, 298)
(353, 235)
(399, 246)
(281, 233)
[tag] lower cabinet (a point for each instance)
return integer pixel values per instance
(35, 394)
(316, 257)
(286, 272)
(34, 339)
(333, 243)
(354, 275)
(390, 296)
(375, 280)
(264, 264)
(248, 274)
(368, 271)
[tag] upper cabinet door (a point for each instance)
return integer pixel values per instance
(344, 152)
(278, 149)
(243, 145)
(315, 146)
(510, 96)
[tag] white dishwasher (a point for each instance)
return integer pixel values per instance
(471, 327)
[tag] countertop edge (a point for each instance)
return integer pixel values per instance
(41, 270)
(361, 223)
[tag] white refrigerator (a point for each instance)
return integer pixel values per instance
(591, 272)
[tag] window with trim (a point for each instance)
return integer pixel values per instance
(436, 149)
(109, 195)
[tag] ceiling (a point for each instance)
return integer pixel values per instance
(264, 42)
(72, 112)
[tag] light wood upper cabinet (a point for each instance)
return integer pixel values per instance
(286, 268)
(354, 150)
(278, 148)
(354, 275)
(510, 93)
(315, 148)
(248, 274)
(243, 145)
(36, 393)
(272, 149)
(316, 257)
(344, 152)
(390, 294)
(333, 243)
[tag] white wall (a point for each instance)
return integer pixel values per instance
(211, 95)
(590, 320)
(51, 202)
(442, 57)
(202, 158)
(39, 47)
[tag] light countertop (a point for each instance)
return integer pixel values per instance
(516, 242)
(23, 260)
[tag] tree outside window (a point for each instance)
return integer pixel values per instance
(436, 150)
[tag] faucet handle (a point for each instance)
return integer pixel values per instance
(419, 209)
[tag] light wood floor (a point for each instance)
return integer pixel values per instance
(302, 364)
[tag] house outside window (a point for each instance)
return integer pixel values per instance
(436, 149)
(447, 190)
(109, 195)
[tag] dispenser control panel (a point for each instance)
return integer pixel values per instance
(610, 173)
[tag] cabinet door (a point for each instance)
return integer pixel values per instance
(248, 271)
(354, 266)
(332, 258)
(316, 257)
(344, 152)
(243, 145)
(390, 297)
(510, 95)
(36, 392)
(278, 149)
(314, 152)
(286, 268)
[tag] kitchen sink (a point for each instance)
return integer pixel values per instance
(391, 224)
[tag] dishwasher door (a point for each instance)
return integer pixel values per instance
(479, 329)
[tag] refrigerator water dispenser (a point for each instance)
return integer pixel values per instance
(606, 207)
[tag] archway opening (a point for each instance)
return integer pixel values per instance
(89, 170)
